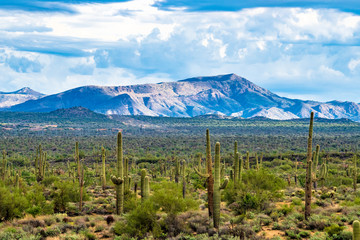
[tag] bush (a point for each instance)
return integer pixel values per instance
(334, 229)
(318, 223)
(256, 191)
(65, 192)
(139, 221)
(344, 235)
(34, 210)
(12, 203)
(168, 197)
(286, 209)
(12, 233)
(297, 201)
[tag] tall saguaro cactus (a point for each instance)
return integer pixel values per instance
(210, 179)
(4, 166)
(236, 170)
(308, 181)
(103, 169)
(177, 170)
(217, 187)
(77, 159)
(257, 162)
(355, 173)
(40, 164)
(183, 170)
(126, 175)
(241, 169)
(81, 184)
(118, 180)
(356, 230)
(208, 175)
(315, 164)
(146, 187)
(323, 173)
(142, 183)
(247, 163)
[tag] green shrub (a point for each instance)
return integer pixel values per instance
(65, 192)
(34, 210)
(286, 209)
(168, 197)
(258, 189)
(89, 236)
(139, 221)
(13, 233)
(296, 201)
(13, 204)
(334, 229)
(47, 181)
(344, 235)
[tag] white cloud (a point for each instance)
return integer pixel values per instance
(289, 50)
(354, 64)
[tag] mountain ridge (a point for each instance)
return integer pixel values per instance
(229, 95)
(8, 99)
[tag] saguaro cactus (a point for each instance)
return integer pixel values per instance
(4, 166)
(146, 187)
(183, 170)
(247, 163)
(126, 175)
(210, 179)
(81, 184)
(295, 175)
(118, 180)
(236, 170)
(77, 158)
(177, 170)
(40, 164)
(355, 173)
(217, 187)
(315, 164)
(257, 162)
(323, 173)
(241, 169)
(356, 230)
(142, 183)
(308, 170)
(17, 181)
(103, 169)
(208, 175)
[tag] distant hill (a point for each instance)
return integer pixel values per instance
(80, 121)
(8, 99)
(223, 95)
(77, 112)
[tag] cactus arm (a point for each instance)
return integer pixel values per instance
(224, 184)
(205, 175)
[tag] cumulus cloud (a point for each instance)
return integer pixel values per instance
(292, 51)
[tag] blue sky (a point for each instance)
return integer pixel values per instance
(298, 49)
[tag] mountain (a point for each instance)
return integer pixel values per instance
(8, 99)
(228, 95)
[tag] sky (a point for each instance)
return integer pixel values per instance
(297, 49)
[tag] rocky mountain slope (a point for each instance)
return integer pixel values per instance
(8, 99)
(229, 95)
